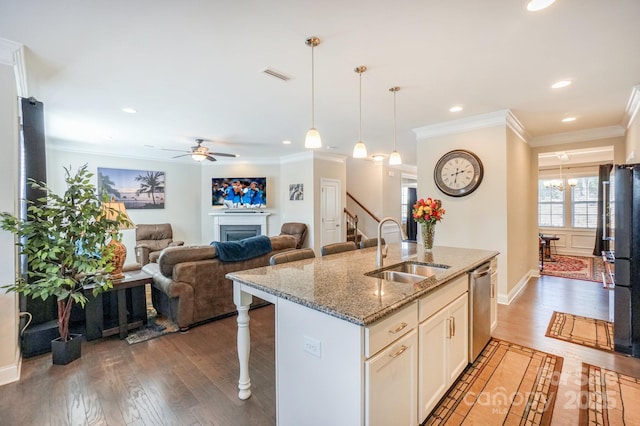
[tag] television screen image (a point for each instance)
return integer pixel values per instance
(239, 193)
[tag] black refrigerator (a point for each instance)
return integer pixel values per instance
(627, 259)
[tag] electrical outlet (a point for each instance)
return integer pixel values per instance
(313, 346)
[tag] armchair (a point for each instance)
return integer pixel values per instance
(151, 240)
(297, 229)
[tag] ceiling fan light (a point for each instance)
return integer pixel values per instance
(360, 150)
(198, 157)
(312, 140)
(535, 5)
(395, 159)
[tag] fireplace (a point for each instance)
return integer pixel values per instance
(230, 225)
(238, 232)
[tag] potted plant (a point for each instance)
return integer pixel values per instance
(66, 243)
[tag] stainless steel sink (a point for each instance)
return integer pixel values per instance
(399, 277)
(418, 269)
(408, 272)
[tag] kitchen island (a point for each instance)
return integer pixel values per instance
(355, 349)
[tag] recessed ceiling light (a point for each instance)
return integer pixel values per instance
(456, 108)
(568, 119)
(560, 84)
(535, 5)
(378, 157)
(286, 142)
(129, 110)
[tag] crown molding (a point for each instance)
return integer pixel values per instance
(12, 54)
(492, 119)
(578, 136)
(633, 106)
(514, 124)
(297, 157)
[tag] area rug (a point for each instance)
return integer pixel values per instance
(156, 326)
(584, 331)
(507, 384)
(608, 397)
(575, 267)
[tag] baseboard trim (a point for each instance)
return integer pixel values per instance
(518, 287)
(11, 373)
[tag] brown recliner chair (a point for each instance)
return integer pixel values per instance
(297, 229)
(151, 240)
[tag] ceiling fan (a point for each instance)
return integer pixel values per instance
(201, 153)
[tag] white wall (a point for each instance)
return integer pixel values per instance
(182, 192)
(522, 207)
(478, 220)
(9, 349)
(298, 169)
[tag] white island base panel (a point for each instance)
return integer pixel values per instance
(319, 364)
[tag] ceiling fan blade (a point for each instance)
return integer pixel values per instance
(222, 154)
(183, 155)
(210, 158)
(176, 150)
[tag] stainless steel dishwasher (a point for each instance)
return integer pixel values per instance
(479, 309)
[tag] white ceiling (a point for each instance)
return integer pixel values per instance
(192, 69)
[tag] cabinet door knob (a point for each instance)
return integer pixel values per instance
(399, 351)
(398, 328)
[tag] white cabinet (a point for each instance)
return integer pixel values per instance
(443, 343)
(494, 293)
(391, 377)
(391, 369)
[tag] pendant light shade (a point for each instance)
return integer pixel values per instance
(360, 149)
(394, 158)
(312, 140)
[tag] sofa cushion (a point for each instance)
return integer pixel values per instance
(171, 256)
(282, 242)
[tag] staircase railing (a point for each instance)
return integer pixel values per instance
(366, 210)
(352, 223)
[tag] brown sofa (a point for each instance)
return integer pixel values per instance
(189, 284)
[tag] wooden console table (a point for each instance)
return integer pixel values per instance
(547, 245)
(130, 307)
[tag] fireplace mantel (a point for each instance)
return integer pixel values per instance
(243, 217)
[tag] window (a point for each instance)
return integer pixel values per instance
(550, 204)
(584, 202)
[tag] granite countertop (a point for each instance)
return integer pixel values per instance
(337, 284)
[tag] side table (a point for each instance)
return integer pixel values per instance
(132, 285)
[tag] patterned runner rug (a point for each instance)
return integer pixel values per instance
(608, 397)
(584, 331)
(575, 267)
(507, 384)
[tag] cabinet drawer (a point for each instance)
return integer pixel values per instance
(442, 296)
(383, 332)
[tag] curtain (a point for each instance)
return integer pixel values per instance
(412, 226)
(604, 173)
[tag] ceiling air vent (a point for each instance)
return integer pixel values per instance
(276, 74)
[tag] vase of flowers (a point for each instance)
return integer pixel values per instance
(427, 213)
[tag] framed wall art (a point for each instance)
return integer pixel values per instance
(137, 189)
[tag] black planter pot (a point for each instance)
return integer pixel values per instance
(65, 352)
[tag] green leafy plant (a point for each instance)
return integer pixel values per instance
(66, 243)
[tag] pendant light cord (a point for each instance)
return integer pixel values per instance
(313, 91)
(360, 100)
(395, 147)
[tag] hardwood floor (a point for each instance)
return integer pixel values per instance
(191, 379)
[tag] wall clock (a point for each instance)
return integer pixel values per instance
(458, 173)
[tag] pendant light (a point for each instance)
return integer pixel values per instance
(394, 158)
(312, 140)
(360, 149)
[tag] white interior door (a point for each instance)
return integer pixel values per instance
(330, 210)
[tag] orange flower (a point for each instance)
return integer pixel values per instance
(428, 211)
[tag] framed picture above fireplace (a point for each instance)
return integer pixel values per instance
(239, 193)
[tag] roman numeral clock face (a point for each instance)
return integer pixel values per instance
(458, 173)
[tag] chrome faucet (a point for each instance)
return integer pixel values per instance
(379, 253)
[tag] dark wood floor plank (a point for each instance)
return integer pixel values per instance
(191, 379)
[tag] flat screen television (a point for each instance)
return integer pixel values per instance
(239, 193)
